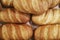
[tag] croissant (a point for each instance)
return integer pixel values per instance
(31, 6)
(52, 16)
(48, 32)
(13, 16)
(15, 32)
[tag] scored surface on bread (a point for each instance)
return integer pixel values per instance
(31, 6)
(52, 16)
(15, 32)
(48, 32)
(13, 16)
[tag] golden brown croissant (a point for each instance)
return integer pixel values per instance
(31, 6)
(52, 16)
(48, 32)
(15, 32)
(13, 16)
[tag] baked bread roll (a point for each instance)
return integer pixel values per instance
(52, 16)
(48, 32)
(13, 16)
(31, 6)
(15, 32)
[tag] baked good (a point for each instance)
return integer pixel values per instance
(13, 16)
(48, 32)
(31, 6)
(52, 16)
(16, 32)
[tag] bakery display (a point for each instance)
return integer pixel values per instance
(29, 20)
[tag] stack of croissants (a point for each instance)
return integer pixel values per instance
(18, 17)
